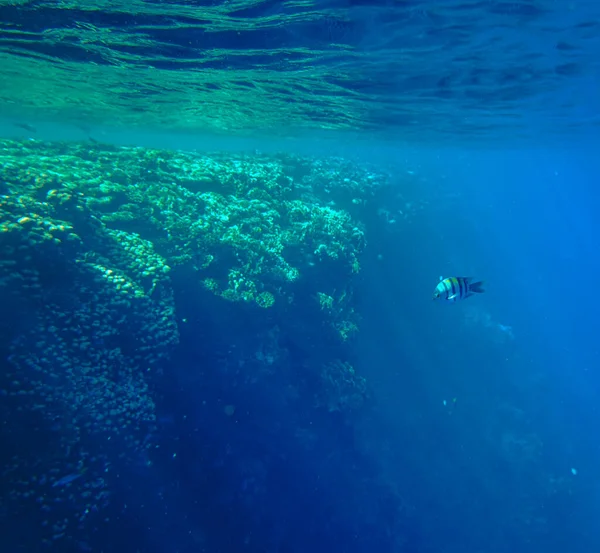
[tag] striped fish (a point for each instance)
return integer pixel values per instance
(457, 288)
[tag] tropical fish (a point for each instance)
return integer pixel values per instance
(69, 478)
(26, 126)
(457, 288)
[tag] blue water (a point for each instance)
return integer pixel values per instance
(526, 396)
(479, 435)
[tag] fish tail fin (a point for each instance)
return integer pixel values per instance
(477, 287)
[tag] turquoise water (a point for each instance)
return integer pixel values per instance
(401, 70)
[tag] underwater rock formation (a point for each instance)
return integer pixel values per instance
(92, 239)
(88, 318)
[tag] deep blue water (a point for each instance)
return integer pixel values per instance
(525, 217)
(480, 436)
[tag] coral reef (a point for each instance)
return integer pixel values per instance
(88, 316)
(94, 241)
(342, 389)
(246, 225)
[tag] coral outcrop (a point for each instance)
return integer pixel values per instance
(93, 242)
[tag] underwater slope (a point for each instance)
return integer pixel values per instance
(114, 260)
